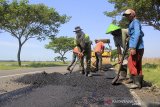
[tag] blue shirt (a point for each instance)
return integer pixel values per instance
(136, 35)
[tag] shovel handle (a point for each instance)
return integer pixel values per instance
(74, 66)
(119, 70)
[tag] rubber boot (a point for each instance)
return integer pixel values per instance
(88, 68)
(130, 80)
(81, 70)
(137, 82)
(123, 73)
(87, 72)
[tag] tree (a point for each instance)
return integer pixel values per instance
(114, 55)
(25, 21)
(59, 58)
(148, 11)
(61, 45)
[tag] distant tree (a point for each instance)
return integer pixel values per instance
(59, 58)
(25, 21)
(114, 54)
(61, 45)
(148, 11)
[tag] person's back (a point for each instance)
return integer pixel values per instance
(83, 41)
(99, 47)
(76, 50)
(136, 39)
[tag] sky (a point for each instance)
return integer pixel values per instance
(89, 15)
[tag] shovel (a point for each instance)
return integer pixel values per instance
(73, 66)
(119, 70)
(70, 71)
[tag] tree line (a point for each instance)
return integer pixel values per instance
(25, 21)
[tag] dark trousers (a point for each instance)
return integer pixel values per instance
(87, 57)
(98, 60)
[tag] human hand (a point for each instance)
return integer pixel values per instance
(132, 51)
(80, 54)
(119, 58)
(127, 39)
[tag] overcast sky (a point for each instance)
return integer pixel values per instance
(89, 14)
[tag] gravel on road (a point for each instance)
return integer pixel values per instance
(73, 90)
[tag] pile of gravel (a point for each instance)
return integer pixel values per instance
(41, 79)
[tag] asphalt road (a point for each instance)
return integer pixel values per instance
(53, 89)
(10, 73)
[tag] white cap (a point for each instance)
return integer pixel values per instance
(129, 12)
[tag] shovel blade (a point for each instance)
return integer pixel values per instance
(115, 80)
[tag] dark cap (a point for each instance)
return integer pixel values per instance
(77, 29)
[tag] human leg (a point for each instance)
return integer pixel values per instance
(97, 61)
(81, 65)
(88, 60)
(136, 70)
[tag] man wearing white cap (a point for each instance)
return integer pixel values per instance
(136, 48)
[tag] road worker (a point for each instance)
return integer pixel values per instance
(84, 43)
(99, 50)
(76, 53)
(120, 37)
(136, 48)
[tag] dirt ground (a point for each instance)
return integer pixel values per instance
(150, 96)
(8, 85)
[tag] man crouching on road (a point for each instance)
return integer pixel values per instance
(76, 55)
(84, 43)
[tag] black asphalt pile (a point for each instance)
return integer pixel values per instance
(107, 67)
(41, 79)
(74, 89)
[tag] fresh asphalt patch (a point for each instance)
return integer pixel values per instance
(73, 90)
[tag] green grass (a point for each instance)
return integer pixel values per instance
(14, 65)
(9, 66)
(45, 64)
(152, 73)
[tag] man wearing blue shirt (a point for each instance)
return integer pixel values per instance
(136, 48)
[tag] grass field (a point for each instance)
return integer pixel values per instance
(14, 65)
(151, 70)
